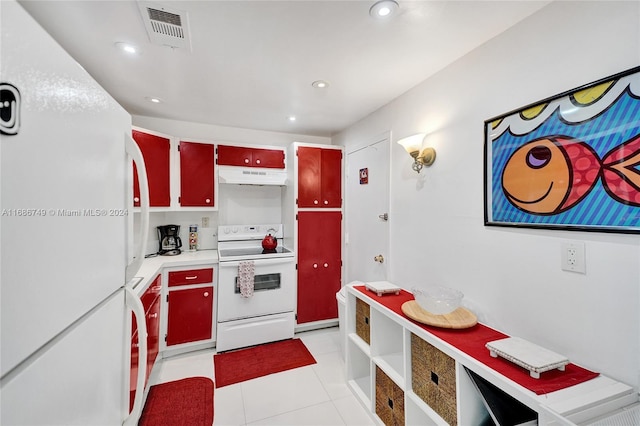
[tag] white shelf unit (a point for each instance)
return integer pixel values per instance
(388, 346)
(390, 350)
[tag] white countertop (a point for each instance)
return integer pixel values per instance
(152, 266)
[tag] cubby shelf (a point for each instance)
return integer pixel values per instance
(454, 398)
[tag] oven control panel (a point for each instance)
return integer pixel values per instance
(248, 232)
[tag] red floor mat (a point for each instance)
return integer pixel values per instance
(186, 402)
(245, 364)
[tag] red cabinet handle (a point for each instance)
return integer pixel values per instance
(257, 161)
(191, 278)
(206, 294)
(326, 265)
(246, 161)
(315, 201)
(315, 265)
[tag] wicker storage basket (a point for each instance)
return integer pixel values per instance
(363, 312)
(433, 378)
(389, 400)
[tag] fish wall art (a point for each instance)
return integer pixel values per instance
(570, 162)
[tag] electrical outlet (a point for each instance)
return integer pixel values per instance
(205, 221)
(572, 257)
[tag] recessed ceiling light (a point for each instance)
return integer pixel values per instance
(127, 48)
(153, 100)
(383, 8)
(291, 118)
(320, 84)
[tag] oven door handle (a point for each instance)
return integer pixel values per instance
(259, 262)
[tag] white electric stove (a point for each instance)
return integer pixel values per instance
(269, 313)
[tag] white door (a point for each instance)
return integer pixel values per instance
(367, 207)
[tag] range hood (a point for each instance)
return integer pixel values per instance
(252, 176)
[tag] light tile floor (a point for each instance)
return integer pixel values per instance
(311, 395)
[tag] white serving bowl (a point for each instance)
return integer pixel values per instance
(438, 300)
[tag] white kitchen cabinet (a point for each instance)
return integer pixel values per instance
(394, 353)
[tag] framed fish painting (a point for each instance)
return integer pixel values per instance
(570, 162)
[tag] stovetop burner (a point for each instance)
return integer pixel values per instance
(252, 251)
(244, 242)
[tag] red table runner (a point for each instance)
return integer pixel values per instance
(472, 342)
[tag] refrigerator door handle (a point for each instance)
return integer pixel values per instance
(135, 304)
(135, 153)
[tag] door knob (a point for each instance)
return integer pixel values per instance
(384, 216)
(379, 258)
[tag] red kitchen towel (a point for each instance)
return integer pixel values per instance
(472, 341)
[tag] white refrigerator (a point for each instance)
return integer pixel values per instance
(66, 241)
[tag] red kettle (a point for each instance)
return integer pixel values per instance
(269, 242)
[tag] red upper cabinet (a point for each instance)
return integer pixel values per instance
(156, 152)
(250, 157)
(197, 186)
(319, 177)
(271, 158)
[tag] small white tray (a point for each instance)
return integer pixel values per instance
(382, 287)
(527, 355)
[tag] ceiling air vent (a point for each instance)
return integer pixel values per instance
(165, 26)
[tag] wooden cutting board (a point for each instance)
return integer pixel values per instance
(460, 318)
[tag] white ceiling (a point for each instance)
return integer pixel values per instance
(252, 62)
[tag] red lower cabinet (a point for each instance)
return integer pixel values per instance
(319, 265)
(190, 315)
(151, 303)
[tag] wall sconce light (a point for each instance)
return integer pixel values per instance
(421, 156)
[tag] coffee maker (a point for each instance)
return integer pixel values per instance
(169, 240)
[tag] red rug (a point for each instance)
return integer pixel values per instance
(186, 402)
(257, 361)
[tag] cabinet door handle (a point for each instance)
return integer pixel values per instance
(208, 200)
(153, 315)
(246, 161)
(315, 265)
(315, 201)
(326, 265)
(206, 294)
(191, 278)
(257, 161)
(136, 199)
(326, 202)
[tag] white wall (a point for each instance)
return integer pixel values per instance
(513, 276)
